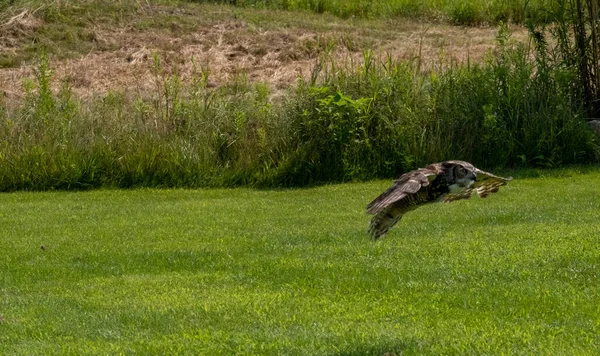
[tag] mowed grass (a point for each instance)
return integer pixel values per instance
(292, 272)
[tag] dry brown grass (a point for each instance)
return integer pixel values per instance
(229, 45)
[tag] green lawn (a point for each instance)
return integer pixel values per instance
(293, 272)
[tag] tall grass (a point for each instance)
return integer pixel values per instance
(576, 32)
(466, 12)
(365, 122)
(348, 121)
(175, 137)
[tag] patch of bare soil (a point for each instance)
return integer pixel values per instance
(230, 49)
(16, 25)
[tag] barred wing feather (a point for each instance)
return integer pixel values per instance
(408, 183)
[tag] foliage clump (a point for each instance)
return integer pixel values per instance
(375, 119)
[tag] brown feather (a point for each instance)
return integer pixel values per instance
(408, 183)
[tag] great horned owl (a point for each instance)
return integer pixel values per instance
(445, 181)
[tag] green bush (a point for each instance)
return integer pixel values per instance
(508, 111)
(373, 120)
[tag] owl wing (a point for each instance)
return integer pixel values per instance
(487, 183)
(463, 194)
(409, 183)
(400, 198)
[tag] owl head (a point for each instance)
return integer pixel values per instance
(459, 177)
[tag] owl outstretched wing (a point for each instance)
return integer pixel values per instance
(408, 183)
(400, 198)
(487, 183)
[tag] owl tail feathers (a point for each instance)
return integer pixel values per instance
(381, 223)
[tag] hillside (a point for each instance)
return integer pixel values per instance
(99, 49)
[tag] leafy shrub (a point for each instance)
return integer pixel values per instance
(372, 120)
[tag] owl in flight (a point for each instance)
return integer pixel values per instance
(445, 181)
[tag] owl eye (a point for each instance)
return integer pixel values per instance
(461, 171)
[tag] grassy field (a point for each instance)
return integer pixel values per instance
(293, 272)
(120, 102)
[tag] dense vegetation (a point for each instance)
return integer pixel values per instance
(351, 120)
(458, 11)
(363, 121)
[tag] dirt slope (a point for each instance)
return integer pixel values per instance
(121, 57)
